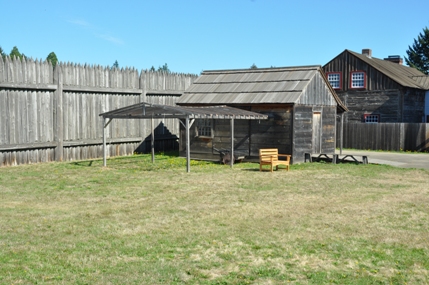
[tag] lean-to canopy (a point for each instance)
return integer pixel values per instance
(153, 111)
(147, 111)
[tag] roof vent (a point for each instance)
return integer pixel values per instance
(367, 52)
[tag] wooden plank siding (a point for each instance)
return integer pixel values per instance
(346, 63)
(382, 95)
(385, 103)
(328, 129)
(388, 136)
(274, 132)
(49, 114)
(303, 130)
(317, 93)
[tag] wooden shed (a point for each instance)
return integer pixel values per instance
(299, 101)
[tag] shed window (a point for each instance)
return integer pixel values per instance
(204, 127)
(334, 79)
(370, 118)
(358, 79)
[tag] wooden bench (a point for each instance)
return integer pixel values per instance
(270, 156)
(318, 156)
(336, 158)
(354, 158)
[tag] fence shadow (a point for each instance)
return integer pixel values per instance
(164, 141)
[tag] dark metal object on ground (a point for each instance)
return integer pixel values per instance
(225, 155)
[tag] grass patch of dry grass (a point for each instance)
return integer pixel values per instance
(140, 223)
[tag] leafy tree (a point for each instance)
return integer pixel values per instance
(52, 57)
(418, 54)
(253, 66)
(164, 68)
(15, 52)
(115, 64)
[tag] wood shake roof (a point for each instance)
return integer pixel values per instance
(252, 86)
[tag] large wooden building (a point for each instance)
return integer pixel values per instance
(379, 90)
(300, 104)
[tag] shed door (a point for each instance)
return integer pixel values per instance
(317, 132)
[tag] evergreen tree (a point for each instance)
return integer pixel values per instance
(152, 69)
(2, 53)
(15, 52)
(115, 64)
(418, 54)
(52, 57)
(253, 66)
(164, 68)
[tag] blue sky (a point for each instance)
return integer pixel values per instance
(196, 35)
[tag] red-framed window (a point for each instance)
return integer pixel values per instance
(371, 118)
(335, 79)
(357, 80)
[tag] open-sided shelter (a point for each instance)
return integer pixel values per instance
(300, 104)
(187, 116)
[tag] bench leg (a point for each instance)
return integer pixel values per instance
(334, 158)
(365, 159)
(307, 156)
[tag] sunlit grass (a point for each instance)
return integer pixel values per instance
(138, 222)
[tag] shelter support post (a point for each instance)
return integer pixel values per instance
(104, 140)
(152, 140)
(188, 151)
(231, 163)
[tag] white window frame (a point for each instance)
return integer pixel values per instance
(357, 79)
(334, 79)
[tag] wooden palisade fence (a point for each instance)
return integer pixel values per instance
(385, 136)
(52, 113)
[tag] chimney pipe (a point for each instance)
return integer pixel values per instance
(367, 52)
(394, 58)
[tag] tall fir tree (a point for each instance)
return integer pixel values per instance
(2, 53)
(418, 54)
(52, 57)
(15, 53)
(164, 68)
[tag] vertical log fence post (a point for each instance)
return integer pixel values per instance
(59, 118)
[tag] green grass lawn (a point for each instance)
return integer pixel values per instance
(135, 222)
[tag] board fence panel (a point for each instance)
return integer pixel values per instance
(385, 136)
(52, 113)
